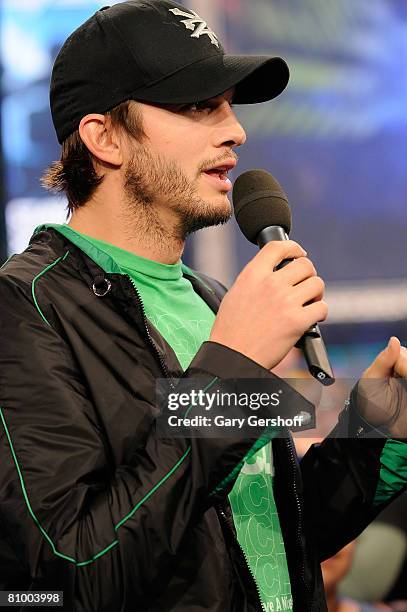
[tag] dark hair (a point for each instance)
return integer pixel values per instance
(75, 174)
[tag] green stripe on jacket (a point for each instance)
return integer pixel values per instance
(393, 471)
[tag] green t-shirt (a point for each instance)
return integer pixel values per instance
(259, 532)
(185, 321)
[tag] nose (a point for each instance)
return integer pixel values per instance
(229, 132)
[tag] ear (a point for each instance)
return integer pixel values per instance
(102, 141)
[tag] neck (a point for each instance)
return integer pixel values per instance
(142, 232)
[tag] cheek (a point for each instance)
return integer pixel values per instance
(186, 157)
(186, 146)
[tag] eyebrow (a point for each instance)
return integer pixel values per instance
(176, 107)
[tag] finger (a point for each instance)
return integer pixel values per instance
(401, 364)
(383, 365)
(316, 312)
(297, 271)
(310, 290)
(273, 253)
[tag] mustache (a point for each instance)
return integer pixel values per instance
(211, 163)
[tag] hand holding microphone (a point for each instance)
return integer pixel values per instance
(277, 298)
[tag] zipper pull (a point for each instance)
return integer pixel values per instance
(104, 286)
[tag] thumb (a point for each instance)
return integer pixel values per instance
(383, 365)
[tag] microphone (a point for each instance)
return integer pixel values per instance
(263, 214)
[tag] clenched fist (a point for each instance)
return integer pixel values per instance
(382, 391)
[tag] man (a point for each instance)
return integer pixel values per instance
(92, 502)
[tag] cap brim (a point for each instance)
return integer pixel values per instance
(256, 78)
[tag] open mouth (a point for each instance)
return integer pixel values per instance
(220, 173)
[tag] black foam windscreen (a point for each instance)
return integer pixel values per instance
(259, 202)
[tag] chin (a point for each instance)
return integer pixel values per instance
(221, 199)
(222, 207)
(215, 211)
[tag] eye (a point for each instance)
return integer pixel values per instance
(203, 107)
(197, 107)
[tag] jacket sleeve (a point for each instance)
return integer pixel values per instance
(348, 479)
(103, 535)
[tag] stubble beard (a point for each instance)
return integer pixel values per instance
(153, 183)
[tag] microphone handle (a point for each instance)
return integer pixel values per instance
(311, 343)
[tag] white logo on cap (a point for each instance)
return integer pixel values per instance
(196, 24)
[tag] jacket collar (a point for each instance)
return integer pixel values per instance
(94, 266)
(108, 264)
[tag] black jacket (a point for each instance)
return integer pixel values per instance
(92, 503)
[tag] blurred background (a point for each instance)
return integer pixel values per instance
(336, 140)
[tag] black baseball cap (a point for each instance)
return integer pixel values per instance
(153, 51)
